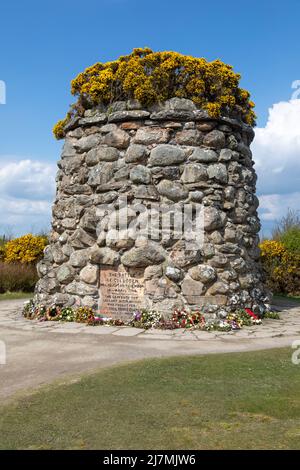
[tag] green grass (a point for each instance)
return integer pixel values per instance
(16, 295)
(230, 401)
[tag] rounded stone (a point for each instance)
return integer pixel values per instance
(118, 138)
(172, 190)
(87, 143)
(192, 290)
(228, 275)
(120, 239)
(103, 255)
(48, 254)
(140, 175)
(174, 274)
(193, 173)
(68, 149)
(79, 258)
(106, 154)
(203, 273)
(80, 288)
(145, 255)
(218, 172)
(218, 288)
(135, 153)
(43, 268)
(215, 139)
(216, 238)
(65, 274)
(89, 274)
(218, 261)
(239, 265)
(196, 196)
(189, 137)
(153, 272)
(148, 136)
(226, 155)
(204, 155)
(247, 281)
(213, 219)
(166, 155)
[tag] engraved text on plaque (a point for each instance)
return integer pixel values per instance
(121, 293)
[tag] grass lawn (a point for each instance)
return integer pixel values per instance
(245, 400)
(16, 295)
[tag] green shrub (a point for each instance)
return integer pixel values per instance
(291, 239)
(2, 252)
(3, 241)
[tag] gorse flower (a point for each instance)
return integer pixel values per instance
(282, 267)
(26, 249)
(151, 77)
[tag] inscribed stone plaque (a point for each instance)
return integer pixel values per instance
(121, 292)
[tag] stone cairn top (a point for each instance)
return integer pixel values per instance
(174, 109)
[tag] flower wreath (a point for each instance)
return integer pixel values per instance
(53, 313)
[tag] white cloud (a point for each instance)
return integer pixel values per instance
(27, 178)
(274, 206)
(27, 189)
(276, 152)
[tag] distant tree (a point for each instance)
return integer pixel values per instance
(291, 221)
(291, 239)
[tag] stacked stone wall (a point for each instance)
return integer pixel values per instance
(124, 158)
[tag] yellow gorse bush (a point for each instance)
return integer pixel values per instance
(282, 267)
(26, 249)
(272, 249)
(157, 76)
(58, 129)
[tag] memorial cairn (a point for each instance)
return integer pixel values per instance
(155, 205)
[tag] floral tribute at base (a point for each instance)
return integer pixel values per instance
(147, 319)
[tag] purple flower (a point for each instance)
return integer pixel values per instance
(137, 316)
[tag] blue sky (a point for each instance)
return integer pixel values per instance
(46, 44)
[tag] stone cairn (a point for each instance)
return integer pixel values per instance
(168, 155)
